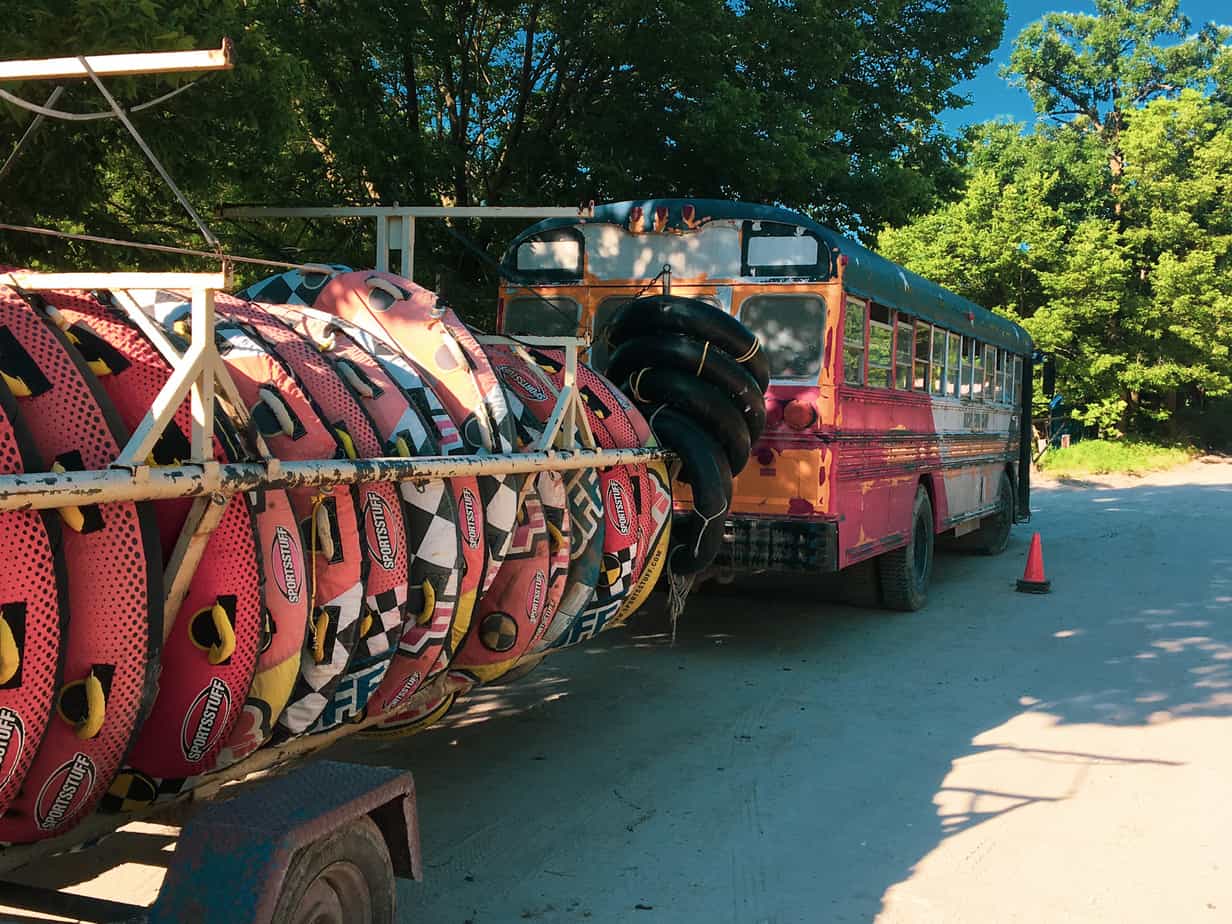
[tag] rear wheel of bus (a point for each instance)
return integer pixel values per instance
(905, 572)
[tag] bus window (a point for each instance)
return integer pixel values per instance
(953, 367)
(603, 314)
(853, 342)
(880, 347)
(977, 370)
(964, 371)
(543, 317)
(938, 362)
(923, 344)
(790, 328)
(903, 351)
(992, 374)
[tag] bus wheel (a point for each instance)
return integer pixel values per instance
(905, 572)
(345, 878)
(994, 533)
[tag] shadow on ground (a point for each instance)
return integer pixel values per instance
(837, 727)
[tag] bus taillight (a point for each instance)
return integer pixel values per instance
(774, 413)
(800, 415)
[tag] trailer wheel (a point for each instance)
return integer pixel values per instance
(994, 533)
(905, 572)
(346, 877)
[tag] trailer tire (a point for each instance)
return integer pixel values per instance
(905, 572)
(346, 877)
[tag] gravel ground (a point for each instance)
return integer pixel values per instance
(996, 757)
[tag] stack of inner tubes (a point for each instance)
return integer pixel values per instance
(700, 377)
(365, 607)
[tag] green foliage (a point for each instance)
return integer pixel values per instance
(1103, 457)
(1111, 247)
(828, 104)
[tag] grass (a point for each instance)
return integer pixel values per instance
(1102, 457)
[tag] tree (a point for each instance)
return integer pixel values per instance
(1089, 72)
(824, 104)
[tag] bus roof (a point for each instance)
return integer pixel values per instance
(867, 274)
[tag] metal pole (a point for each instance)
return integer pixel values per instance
(48, 490)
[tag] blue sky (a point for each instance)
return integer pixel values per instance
(991, 96)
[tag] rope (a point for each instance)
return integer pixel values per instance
(701, 364)
(45, 112)
(164, 248)
(145, 148)
(678, 587)
(33, 127)
(751, 353)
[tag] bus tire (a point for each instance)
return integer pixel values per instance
(994, 533)
(347, 876)
(905, 572)
(655, 315)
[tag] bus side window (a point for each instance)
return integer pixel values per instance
(880, 347)
(937, 362)
(904, 350)
(853, 342)
(997, 369)
(965, 368)
(923, 345)
(953, 367)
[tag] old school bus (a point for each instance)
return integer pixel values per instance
(897, 411)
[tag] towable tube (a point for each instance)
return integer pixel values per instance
(209, 657)
(294, 430)
(695, 358)
(697, 533)
(698, 400)
(456, 572)
(431, 518)
(382, 531)
(674, 314)
(114, 570)
(446, 355)
(33, 612)
(531, 386)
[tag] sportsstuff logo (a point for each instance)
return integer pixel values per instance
(618, 513)
(408, 687)
(534, 599)
(288, 560)
(206, 716)
(376, 531)
(12, 743)
(65, 792)
(470, 519)
(519, 380)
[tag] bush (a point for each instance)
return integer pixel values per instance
(1101, 457)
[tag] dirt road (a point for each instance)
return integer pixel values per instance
(996, 758)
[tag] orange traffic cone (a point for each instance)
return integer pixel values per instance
(1033, 580)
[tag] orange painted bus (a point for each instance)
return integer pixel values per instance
(897, 412)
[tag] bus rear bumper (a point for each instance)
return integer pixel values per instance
(757, 544)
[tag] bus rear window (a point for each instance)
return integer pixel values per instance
(790, 328)
(543, 317)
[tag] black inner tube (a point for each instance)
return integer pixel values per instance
(698, 400)
(698, 359)
(692, 317)
(697, 534)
